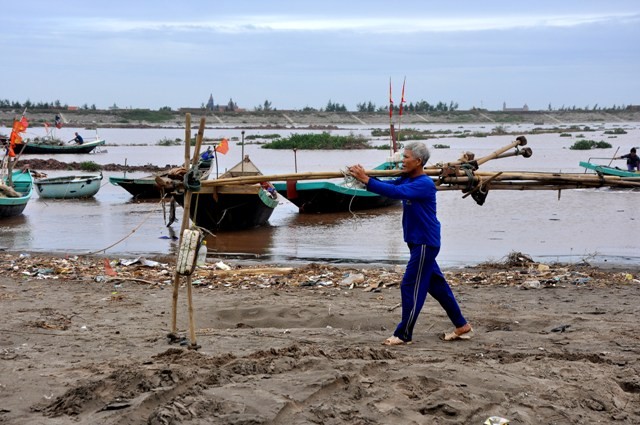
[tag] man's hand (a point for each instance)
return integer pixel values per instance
(358, 172)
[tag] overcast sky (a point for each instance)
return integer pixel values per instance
(155, 53)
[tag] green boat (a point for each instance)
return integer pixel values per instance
(609, 171)
(330, 197)
(14, 198)
(43, 147)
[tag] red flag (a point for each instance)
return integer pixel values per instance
(390, 100)
(402, 98)
(223, 146)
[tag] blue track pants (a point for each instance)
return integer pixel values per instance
(423, 276)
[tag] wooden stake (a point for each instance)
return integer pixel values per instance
(183, 227)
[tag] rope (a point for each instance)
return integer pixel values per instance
(468, 170)
(103, 250)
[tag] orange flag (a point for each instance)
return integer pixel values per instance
(223, 147)
(18, 127)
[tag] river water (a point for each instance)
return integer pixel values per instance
(597, 225)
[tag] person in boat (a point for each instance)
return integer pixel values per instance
(633, 161)
(78, 139)
(422, 234)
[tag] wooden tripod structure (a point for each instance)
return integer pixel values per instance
(188, 163)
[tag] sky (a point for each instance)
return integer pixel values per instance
(299, 53)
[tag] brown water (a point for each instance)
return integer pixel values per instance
(598, 225)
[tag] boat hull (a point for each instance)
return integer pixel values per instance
(144, 188)
(609, 171)
(230, 211)
(43, 148)
(68, 187)
(328, 197)
(23, 184)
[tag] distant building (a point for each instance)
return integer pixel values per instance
(210, 105)
(633, 108)
(525, 108)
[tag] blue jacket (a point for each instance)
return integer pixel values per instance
(419, 221)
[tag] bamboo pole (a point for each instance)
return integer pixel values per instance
(183, 227)
(433, 170)
(194, 161)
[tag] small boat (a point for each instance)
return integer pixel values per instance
(14, 198)
(139, 188)
(330, 197)
(66, 187)
(607, 170)
(232, 207)
(46, 146)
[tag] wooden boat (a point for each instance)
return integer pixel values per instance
(607, 170)
(233, 207)
(47, 147)
(14, 199)
(329, 197)
(139, 188)
(66, 187)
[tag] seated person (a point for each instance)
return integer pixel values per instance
(78, 139)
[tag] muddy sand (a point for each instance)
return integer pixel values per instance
(84, 343)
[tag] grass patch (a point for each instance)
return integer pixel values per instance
(319, 141)
(584, 145)
(615, 131)
(146, 115)
(90, 166)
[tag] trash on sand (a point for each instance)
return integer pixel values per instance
(108, 270)
(531, 284)
(139, 260)
(352, 278)
(561, 328)
(581, 280)
(496, 420)
(543, 267)
(222, 266)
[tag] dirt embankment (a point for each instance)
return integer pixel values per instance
(52, 164)
(313, 120)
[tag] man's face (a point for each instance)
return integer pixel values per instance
(410, 162)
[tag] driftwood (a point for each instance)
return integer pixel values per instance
(265, 270)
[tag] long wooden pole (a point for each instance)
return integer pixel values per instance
(183, 227)
(194, 161)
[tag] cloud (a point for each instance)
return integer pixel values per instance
(274, 23)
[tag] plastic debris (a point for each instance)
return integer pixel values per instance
(531, 284)
(352, 279)
(222, 266)
(139, 260)
(496, 420)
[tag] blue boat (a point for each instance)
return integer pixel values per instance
(66, 187)
(14, 197)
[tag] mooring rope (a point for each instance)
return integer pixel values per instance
(103, 250)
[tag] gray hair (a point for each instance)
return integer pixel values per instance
(419, 150)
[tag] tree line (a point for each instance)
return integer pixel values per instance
(421, 106)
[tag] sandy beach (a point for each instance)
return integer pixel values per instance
(85, 343)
